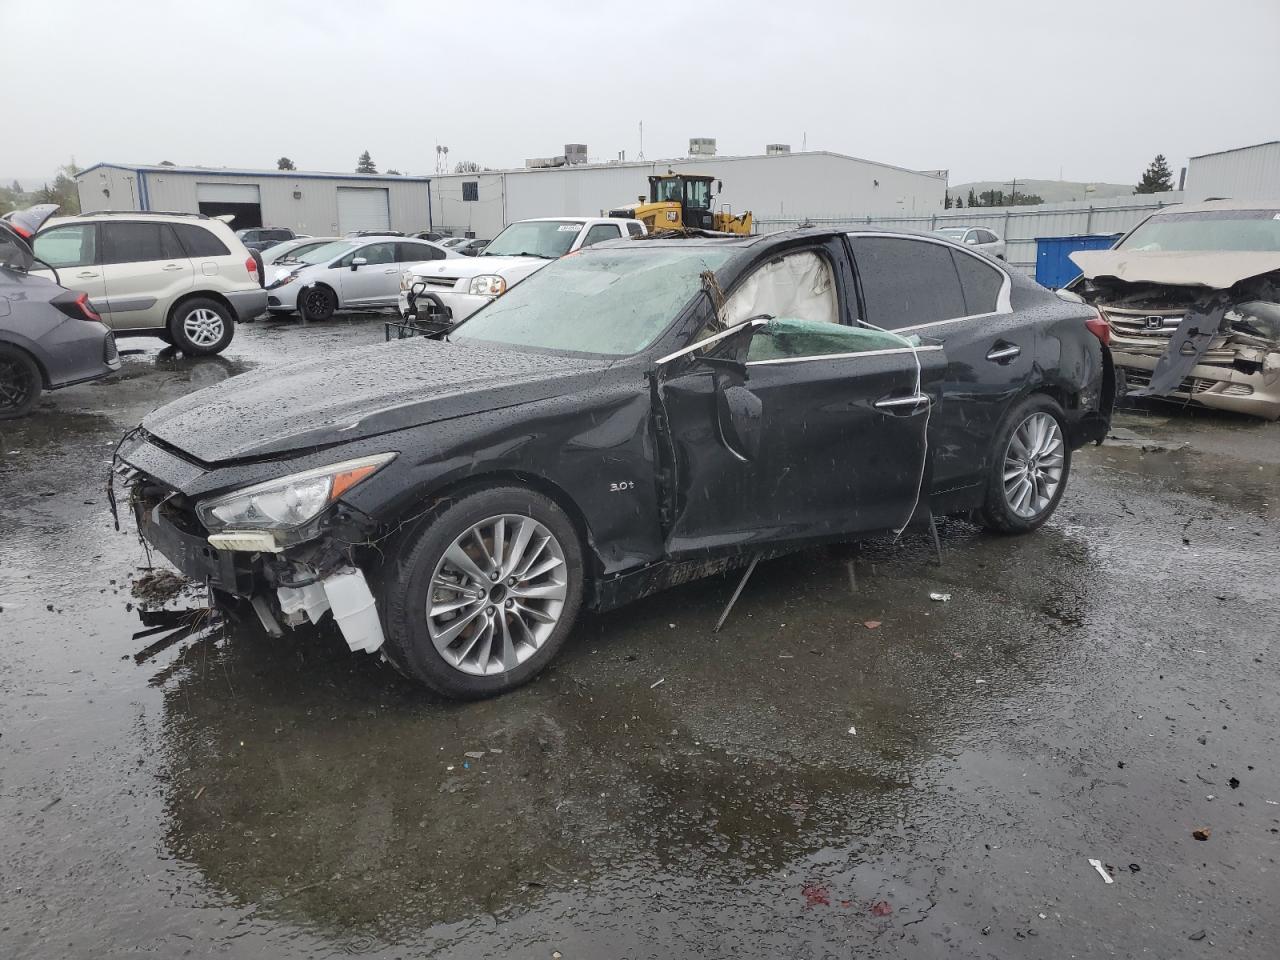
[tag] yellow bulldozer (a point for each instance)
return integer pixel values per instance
(679, 201)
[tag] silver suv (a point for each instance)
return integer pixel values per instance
(183, 277)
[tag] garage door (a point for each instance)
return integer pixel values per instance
(363, 208)
(227, 193)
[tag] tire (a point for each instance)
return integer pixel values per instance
(1024, 490)
(200, 327)
(318, 303)
(476, 645)
(20, 382)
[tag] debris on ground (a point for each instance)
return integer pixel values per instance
(158, 586)
(1234, 783)
(881, 908)
(1123, 437)
(940, 597)
(1097, 865)
(1134, 868)
(815, 895)
(1201, 833)
(853, 731)
(657, 683)
(475, 754)
(1198, 935)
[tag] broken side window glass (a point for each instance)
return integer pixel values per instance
(790, 337)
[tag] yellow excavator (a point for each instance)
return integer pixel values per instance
(679, 201)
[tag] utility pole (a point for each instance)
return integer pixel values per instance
(1013, 186)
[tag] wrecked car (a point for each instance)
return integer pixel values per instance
(1192, 296)
(630, 417)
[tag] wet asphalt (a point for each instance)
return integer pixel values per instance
(849, 769)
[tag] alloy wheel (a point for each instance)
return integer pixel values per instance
(203, 327)
(15, 384)
(1033, 464)
(497, 594)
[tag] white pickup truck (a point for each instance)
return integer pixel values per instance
(452, 290)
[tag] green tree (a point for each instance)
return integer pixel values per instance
(1157, 178)
(972, 201)
(167, 163)
(960, 201)
(365, 164)
(393, 172)
(946, 202)
(284, 163)
(466, 166)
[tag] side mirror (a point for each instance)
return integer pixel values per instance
(358, 262)
(719, 186)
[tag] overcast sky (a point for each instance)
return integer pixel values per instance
(988, 91)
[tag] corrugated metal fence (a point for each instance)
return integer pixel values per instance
(1019, 226)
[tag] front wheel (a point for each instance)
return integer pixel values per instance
(20, 382)
(200, 327)
(1030, 462)
(318, 303)
(482, 596)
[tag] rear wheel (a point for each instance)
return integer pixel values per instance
(1030, 462)
(318, 303)
(200, 327)
(481, 598)
(20, 382)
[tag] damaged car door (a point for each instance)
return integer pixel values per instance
(795, 426)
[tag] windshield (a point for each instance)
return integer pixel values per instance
(275, 250)
(535, 238)
(952, 233)
(325, 252)
(1236, 230)
(666, 190)
(613, 302)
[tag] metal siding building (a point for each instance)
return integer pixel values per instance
(1245, 173)
(315, 203)
(797, 185)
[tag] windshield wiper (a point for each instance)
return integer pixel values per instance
(522, 253)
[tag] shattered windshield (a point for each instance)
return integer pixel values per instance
(1208, 230)
(614, 302)
(535, 238)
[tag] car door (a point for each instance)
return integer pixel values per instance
(145, 270)
(376, 282)
(798, 427)
(913, 285)
(73, 250)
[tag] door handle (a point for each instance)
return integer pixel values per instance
(902, 406)
(391, 271)
(999, 354)
(173, 266)
(87, 274)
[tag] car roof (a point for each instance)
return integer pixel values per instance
(574, 217)
(1208, 206)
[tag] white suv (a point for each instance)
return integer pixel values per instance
(452, 290)
(183, 277)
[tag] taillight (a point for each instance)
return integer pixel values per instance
(1099, 327)
(252, 266)
(77, 308)
(20, 230)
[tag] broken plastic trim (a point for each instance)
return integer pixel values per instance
(346, 594)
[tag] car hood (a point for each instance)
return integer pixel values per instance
(511, 268)
(1218, 270)
(332, 400)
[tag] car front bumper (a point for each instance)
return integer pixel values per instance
(1218, 386)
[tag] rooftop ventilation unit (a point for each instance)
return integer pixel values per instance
(575, 153)
(776, 149)
(702, 146)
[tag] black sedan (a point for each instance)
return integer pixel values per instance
(630, 416)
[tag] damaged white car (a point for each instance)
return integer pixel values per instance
(1192, 296)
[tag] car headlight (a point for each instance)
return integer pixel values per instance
(282, 278)
(288, 502)
(489, 285)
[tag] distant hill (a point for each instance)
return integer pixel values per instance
(1053, 191)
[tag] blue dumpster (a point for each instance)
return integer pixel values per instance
(1053, 264)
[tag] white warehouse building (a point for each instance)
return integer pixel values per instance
(318, 204)
(780, 185)
(1244, 173)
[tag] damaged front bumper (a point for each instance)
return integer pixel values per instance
(285, 587)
